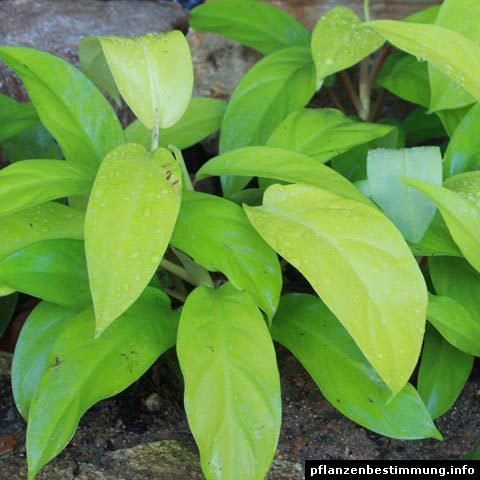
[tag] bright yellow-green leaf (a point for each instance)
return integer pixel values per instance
(452, 53)
(154, 74)
(130, 219)
(232, 387)
(462, 17)
(359, 264)
(339, 43)
(461, 215)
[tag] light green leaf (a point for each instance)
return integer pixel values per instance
(323, 133)
(130, 218)
(406, 77)
(426, 15)
(217, 234)
(202, 118)
(232, 386)
(456, 279)
(95, 66)
(467, 185)
(68, 104)
(463, 152)
(15, 117)
(33, 142)
(338, 42)
(305, 326)
(250, 22)
(44, 222)
(359, 264)
(455, 323)
(455, 55)
(82, 371)
(461, 215)
(282, 165)
(437, 240)
(461, 17)
(53, 270)
(8, 304)
(38, 335)
(154, 74)
(32, 182)
(411, 211)
(281, 83)
(444, 370)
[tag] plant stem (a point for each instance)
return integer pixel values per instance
(377, 107)
(335, 100)
(366, 10)
(186, 180)
(364, 89)
(347, 84)
(377, 66)
(176, 270)
(175, 294)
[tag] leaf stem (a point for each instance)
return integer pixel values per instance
(175, 294)
(187, 181)
(335, 100)
(364, 89)
(155, 131)
(366, 10)
(176, 270)
(348, 85)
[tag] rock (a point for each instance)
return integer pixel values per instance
(58, 25)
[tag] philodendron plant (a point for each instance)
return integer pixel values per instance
(104, 226)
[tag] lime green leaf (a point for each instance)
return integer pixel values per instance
(68, 104)
(411, 211)
(406, 77)
(455, 323)
(250, 22)
(323, 133)
(32, 182)
(217, 234)
(338, 42)
(461, 17)
(129, 222)
(53, 270)
(461, 215)
(33, 142)
(305, 326)
(37, 337)
(232, 387)
(444, 370)
(455, 55)
(437, 240)
(202, 118)
(82, 371)
(283, 165)
(456, 279)
(15, 117)
(426, 15)
(95, 66)
(8, 304)
(43, 222)
(154, 74)
(463, 152)
(359, 264)
(255, 109)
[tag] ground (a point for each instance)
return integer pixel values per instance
(312, 428)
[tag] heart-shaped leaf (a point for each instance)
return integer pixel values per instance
(130, 218)
(232, 387)
(358, 263)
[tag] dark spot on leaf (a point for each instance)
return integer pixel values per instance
(209, 347)
(370, 400)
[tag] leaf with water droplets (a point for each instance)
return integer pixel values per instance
(80, 370)
(250, 22)
(455, 55)
(411, 211)
(339, 43)
(359, 264)
(130, 218)
(154, 75)
(305, 326)
(232, 386)
(461, 17)
(461, 212)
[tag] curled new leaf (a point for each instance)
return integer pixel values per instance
(359, 264)
(129, 222)
(154, 75)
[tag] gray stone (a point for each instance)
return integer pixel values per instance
(57, 26)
